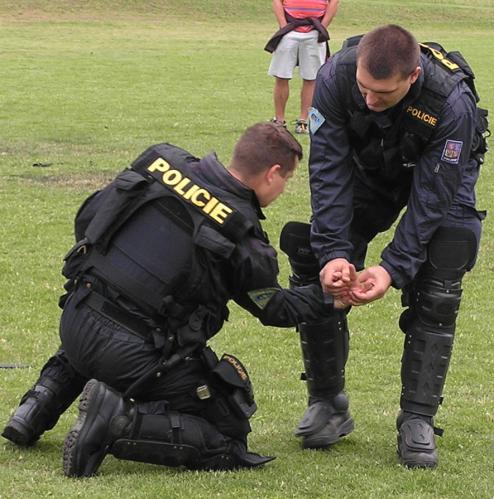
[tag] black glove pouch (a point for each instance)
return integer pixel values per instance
(235, 384)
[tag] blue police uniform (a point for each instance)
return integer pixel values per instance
(416, 159)
(349, 196)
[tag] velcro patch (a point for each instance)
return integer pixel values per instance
(452, 151)
(316, 119)
(261, 297)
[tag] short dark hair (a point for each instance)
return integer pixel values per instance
(263, 145)
(387, 50)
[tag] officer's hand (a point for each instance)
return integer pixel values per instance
(340, 304)
(337, 277)
(371, 284)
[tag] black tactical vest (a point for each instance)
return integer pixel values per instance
(161, 202)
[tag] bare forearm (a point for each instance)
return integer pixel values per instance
(330, 12)
(279, 12)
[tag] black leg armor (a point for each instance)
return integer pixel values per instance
(177, 439)
(429, 325)
(324, 344)
(41, 407)
(430, 321)
(324, 349)
(147, 432)
(325, 352)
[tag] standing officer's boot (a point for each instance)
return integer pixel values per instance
(416, 444)
(148, 432)
(41, 407)
(429, 325)
(325, 351)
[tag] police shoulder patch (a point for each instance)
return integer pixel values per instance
(316, 119)
(451, 152)
(261, 297)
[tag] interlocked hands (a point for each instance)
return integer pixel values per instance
(340, 279)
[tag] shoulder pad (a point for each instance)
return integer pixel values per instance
(352, 41)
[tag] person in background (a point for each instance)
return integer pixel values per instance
(302, 41)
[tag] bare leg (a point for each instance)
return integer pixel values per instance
(280, 94)
(306, 94)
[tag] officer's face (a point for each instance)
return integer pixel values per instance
(380, 95)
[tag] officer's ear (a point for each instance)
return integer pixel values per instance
(415, 74)
(272, 172)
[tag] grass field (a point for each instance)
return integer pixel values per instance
(85, 87)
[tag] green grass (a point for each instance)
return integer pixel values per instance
(85, 87)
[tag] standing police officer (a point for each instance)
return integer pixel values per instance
(394, 125)
(159, 253)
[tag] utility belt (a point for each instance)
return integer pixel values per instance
(228, 377)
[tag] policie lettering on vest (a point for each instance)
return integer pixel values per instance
(189, 191)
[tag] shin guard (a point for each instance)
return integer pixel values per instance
(325, 352)
(177, 439)
(40, 408)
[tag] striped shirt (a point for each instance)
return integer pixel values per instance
(300, 9)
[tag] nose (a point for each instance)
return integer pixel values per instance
(371, 99)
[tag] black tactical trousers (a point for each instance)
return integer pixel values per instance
(99, 348)
(375, 213)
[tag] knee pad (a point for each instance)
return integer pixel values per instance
(452, 251)
(295, 243)
(434, 295)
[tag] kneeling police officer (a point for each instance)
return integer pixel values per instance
(159, 253)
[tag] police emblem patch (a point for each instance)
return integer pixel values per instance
(261, 297)
(452, 151)
(316, 119)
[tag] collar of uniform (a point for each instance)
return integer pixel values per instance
(219, 175)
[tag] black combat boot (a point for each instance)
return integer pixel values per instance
(40, 408)
(325, 351)
(325, 422)
(416, 443)
(88, 441)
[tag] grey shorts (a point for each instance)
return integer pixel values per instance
(298, 48)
